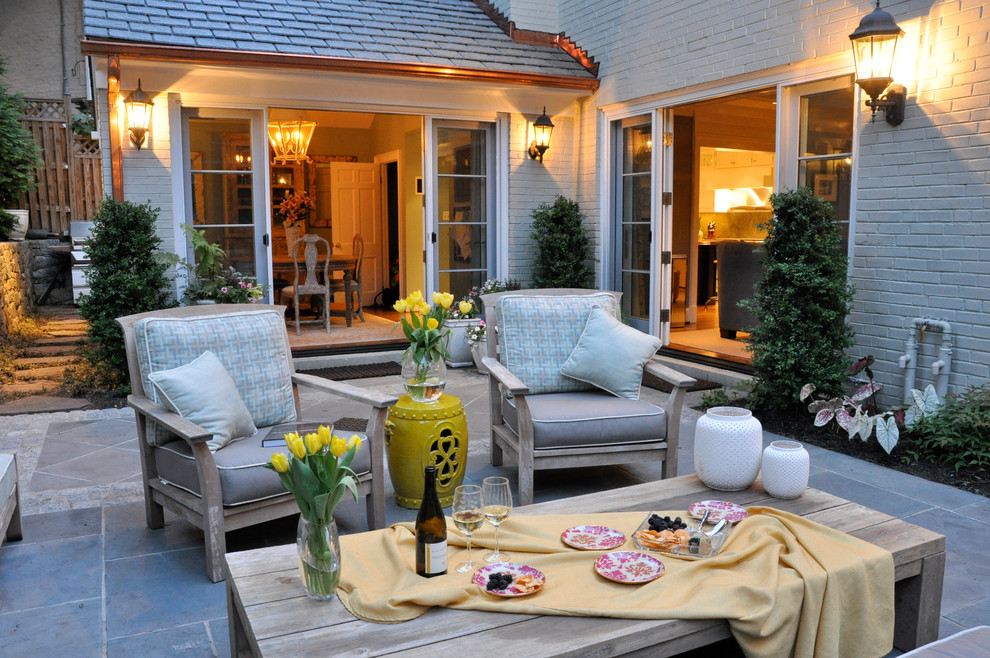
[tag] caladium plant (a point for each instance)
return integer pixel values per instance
(850, 414)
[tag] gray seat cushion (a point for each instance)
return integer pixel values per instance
(587, 419)
(243, 478)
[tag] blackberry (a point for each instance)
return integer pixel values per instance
(499, 580)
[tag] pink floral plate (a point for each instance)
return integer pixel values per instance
(515, 570)
(629, 567)
(592, 537)
(720, 509)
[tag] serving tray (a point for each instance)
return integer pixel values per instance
(703, 551)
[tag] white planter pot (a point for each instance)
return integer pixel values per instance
(20, 227)
(728, 445)
(480, 351)
(786, 466)
(457, 343)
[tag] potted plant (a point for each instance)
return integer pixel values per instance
(474, 331)
(209, 281)
(460, 321)
(293, 212)
(19, 157)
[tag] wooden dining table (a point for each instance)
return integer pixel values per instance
(284, 265)
(270, 614)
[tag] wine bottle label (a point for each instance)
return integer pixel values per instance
(436, 557)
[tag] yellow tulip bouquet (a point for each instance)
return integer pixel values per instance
(423, 325)
(317, 471)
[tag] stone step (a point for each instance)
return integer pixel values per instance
(62, 341)
(29, 362)
(29, 388)
(49, 351)
(51, 373)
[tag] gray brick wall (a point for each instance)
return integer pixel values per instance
(922, 235)
(30, 43)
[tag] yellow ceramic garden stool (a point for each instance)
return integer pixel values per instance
(418, 434)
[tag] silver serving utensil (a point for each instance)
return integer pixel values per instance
(718, 527)
(704, 519)
(698, 542)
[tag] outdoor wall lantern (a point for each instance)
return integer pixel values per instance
(138, 105)
(873, 44)
(290, 140)
(542, 129)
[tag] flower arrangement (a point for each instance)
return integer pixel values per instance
(295, 209)
(423, 325)
(477, 333)
(318, 472)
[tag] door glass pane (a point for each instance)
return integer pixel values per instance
(830, 179)
(637, 150)
(634, 222)
(826, 122)
(222, 187)
(462, 208)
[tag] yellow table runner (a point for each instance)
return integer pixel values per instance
(787, 585)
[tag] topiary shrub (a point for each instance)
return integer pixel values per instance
(801, 304)
(564, 249)
(127, 274)
(19, 155)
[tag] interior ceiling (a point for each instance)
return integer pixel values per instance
(324, 119)
(763, 99)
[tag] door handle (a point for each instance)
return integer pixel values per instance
(433, 237)
(264, 239)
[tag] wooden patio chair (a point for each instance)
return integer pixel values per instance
(354, 286)
(186, 468)
(550, 419)
(313, 285)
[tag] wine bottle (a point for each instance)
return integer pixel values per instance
(431, 530)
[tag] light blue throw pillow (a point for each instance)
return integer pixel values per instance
(611, 355)
(203, 392)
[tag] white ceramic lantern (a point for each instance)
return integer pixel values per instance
(786, 467)
(728, 445)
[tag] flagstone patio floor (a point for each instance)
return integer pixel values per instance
(91, 579)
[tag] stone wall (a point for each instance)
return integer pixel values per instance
(15, 284)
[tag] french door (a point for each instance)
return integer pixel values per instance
(460, 238)
(225, 155)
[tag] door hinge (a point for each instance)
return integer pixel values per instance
(667, 198)
(668, 139)
(665, 315)
(666, 258)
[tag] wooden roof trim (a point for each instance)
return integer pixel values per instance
(536, 38)
(333, 64)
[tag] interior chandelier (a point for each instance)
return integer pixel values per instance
(290, 140)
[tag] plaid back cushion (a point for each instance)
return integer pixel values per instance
(537, 334)
(251, 345)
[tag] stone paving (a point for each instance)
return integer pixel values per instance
(90, 579)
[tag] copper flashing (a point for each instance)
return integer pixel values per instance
(331, 64)
(116, 156)
(536, 38)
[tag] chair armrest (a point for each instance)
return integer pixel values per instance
(669, 375)
(173, 422)
(374, 398)
(512, 384)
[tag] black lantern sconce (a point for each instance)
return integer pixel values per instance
(874, 43)
(542, 129)
(139, 106)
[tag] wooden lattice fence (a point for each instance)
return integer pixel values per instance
(70, 183)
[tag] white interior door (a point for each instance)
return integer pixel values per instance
(354, 207)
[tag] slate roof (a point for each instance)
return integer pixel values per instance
(453, 33)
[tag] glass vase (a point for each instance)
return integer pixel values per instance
(318, 546)
(424, 379)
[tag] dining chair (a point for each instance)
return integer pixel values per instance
(311, 244)
(211, 387)
(564, 382)
(340, 285)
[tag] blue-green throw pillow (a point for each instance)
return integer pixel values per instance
(203, 392)
(611, 355)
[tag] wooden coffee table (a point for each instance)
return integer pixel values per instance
(270, 614)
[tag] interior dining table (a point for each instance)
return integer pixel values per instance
(283, 267)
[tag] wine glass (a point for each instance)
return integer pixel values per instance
(498, 503)
(468, 517)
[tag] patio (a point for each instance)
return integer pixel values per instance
(91, 576)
